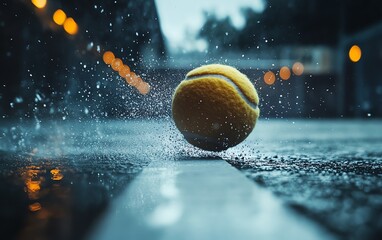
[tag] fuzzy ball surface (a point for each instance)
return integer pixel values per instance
(215, 107)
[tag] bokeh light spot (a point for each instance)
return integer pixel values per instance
(108, 57)
(284, 73)
(56, 174)
(124, 71)
(269, 78)
(355, 53)
(132, 79)
(59, 17)
(70, 26)
(34, 207)
(116, 64)
(39, 3)
(298, 68)
(143, 88)
(33, 186)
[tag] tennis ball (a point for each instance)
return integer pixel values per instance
(215, 107)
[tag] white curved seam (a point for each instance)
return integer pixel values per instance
(251, 104)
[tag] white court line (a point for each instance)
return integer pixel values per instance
(200, 200)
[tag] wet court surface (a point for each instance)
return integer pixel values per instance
(59, 179)
(330, 171)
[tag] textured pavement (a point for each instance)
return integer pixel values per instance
(59, 178)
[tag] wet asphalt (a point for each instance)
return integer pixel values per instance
(57, 178)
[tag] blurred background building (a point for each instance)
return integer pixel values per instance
(307, 58)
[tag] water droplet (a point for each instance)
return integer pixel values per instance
(19, 99)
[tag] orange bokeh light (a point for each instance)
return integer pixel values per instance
(355, 53)
(133, 79)
(33, 186)
(298, 68)
(70, 26)
(39, 3)
(108, 57)
(59, 17)
(143, 87)
(124, 71)
(284, 73)
(35, 207)
(56, 174)
(32, 177)
(269, 78)
(116, 64)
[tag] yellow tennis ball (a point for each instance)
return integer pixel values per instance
(215, 107)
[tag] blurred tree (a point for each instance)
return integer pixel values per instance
(292, 22)
(252, 33)
(223, 32)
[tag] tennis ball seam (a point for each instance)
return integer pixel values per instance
(232, 73)
(229, 81)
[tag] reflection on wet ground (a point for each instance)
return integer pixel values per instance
(58, 198)
(58, 178)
